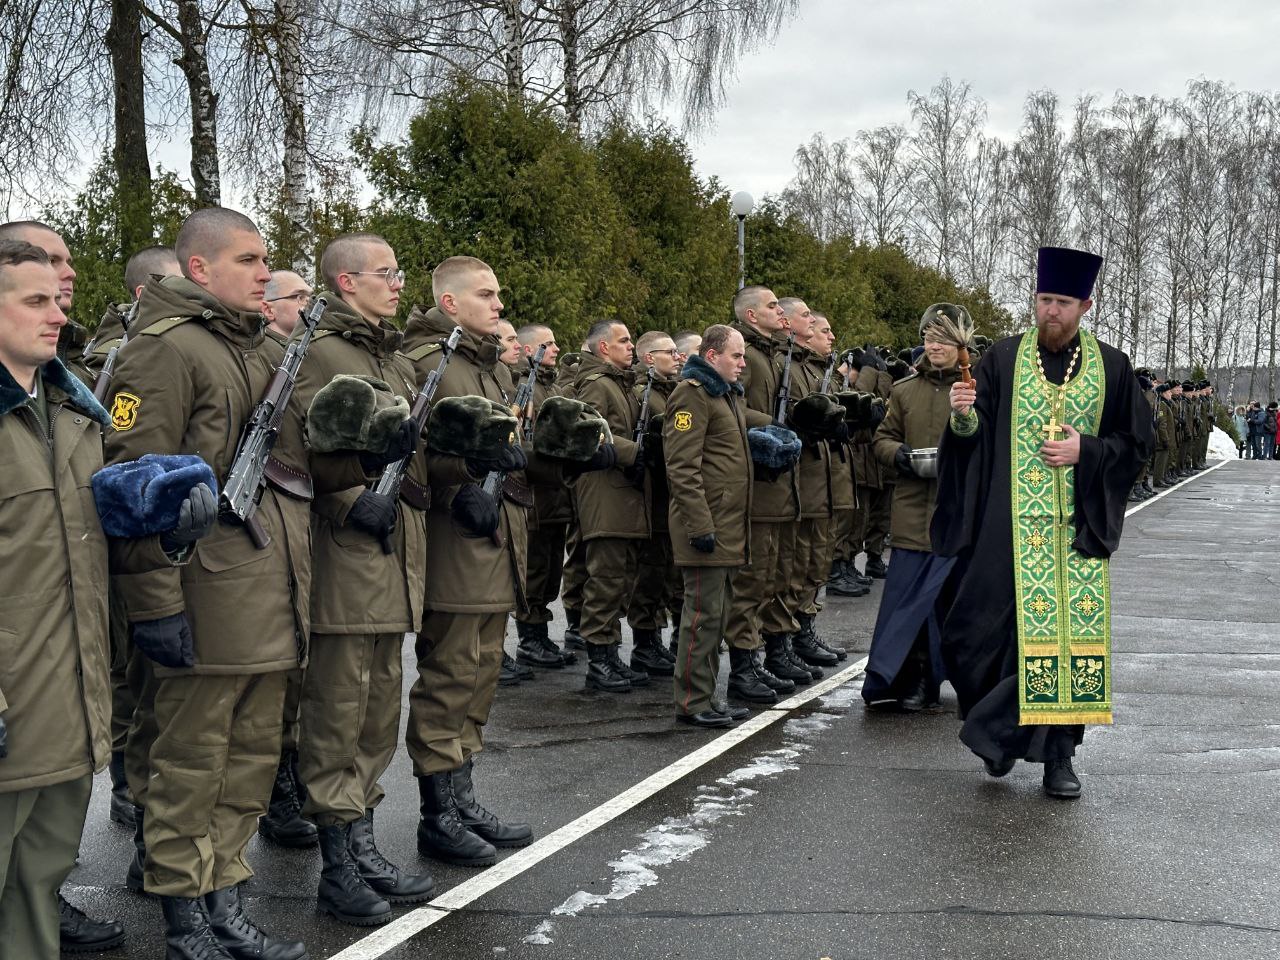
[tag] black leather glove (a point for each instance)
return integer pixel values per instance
(605, 458)
(704, 544)
(4, 739)
(167, 641)
(400, 446)
(511, 458)
(196, 517)
(839, 433)
(374, 513)
(475, 511)
(902, 460)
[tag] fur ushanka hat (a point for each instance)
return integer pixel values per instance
(353, 413)
(473, 427)
(568, 430)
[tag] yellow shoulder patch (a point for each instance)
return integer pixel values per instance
(124, 410)
(682, 421)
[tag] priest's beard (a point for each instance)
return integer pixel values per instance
(1055, 336)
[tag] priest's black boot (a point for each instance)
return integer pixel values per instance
(121, 805)
(480, 821)
(536, 648)
(441, 832)
(918, 698)
(636, 676)
(815, 672)
(647, 654)
(80, 933)
(776, 684)
(283, 823)
(601, 673)
(387, 880)
(1060, 780)
(744, 684)
(133, 878)
(777, 662)
(343, 893)
(807, 647)
(240, 936)
(573, 639)
(187, 935)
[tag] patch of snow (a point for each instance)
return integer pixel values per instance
(1221, 446)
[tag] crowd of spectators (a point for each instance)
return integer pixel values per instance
(1258, 430)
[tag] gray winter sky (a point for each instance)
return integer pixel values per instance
(840, 67)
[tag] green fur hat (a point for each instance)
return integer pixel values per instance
(568, 430)
(470, 427)
(817, 415)
(856, 405)
(354, 414)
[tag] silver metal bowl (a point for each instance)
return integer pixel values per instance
(924, 462)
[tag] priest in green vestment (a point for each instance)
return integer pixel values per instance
(1034, 475)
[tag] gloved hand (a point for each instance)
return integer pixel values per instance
(839, 433)
(475, 511)
(603, 459)
(902, 460)
(704, 544)
(374, 513)
(400, 446)
(878, 410)
(635, 473)
(196, 517)
(4, 739)
(511, 458)
(167, 640)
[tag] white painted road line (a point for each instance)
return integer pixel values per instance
(415, 921)
(1168, 490)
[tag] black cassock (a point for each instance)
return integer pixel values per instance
(973, 522)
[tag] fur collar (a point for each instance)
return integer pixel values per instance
(702, 373)
(58, 377)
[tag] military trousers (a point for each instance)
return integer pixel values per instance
(545, 557)
(574, 579)
(778, 615)
(212, 765)
(39, 835)
(879, 509)
(350, 721)
(751, 587)
(611, 573)
(124, 688)
(658, 588)
(459, 657)
(708, 597)
(292, 708)
(818, 534)
(843, 525)
(1160, 467)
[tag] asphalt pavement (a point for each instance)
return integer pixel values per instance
(831, 833)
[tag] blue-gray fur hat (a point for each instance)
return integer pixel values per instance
(143, 497)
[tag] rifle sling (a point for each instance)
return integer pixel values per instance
(414, 494)
(292, 483)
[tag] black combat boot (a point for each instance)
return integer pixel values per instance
(343, 893)
(133, 878)
(187, 935)
(512, 673)
(536, 648)
(573, 640)
(850, 585)
(726, 710)
(778, 663)
(839, 570)
(1060, 780)
(648, 656)
(637, 677)
(601, 672)
(815, 673)
(283, 823)
(441, 832)
(387, 880)
(480, 821)
(776, 684)
(240, 936)
(807, 647)
(80, 933)
(121, 805)
(875, 568)
(744, 684)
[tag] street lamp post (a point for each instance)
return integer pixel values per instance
(741, 203)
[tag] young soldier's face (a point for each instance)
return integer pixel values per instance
(510, 344)
(30, 314)
(767, 314)
(476, 307)
(800, 321)
(237, 274)
(546, 338)
(730, 363)
(664, 359)
(821, 340)
(617, 348)
(59, 258)
(375, 288)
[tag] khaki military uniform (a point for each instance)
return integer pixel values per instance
(815, 531)
(575, 564)
(658, 587)
(205, 741)
(709, 475)
(1165, 441)
(549, 523)
(873, 485)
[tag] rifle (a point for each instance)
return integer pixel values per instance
(394, 473)
(103, 383)
(242, 491)
(642, 430)
(496, 478)
(826, 376)
(784, 386)
(535, 363)
(847, 360)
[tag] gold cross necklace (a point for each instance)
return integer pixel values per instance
(1052, 429)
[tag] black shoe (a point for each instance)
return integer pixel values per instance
(834, 651)
(744, 684)
(536, 648)
(573, 640)
(187, 934)
(648, 657)
(637, 677)
(121, 805)
(1060, 780)
(134, 876)
(777, 684)
(480, 821)
(240, 936)
(283, 823)
(707, 718)
(511, 673)
(441, 832)
(806, 645)
(839, 570)
(601, 672)
(875, 568)
(779, 664)
(80, 933)
(920, 697)
(343, 893)
(815, 672)
(733, 713)
(388, 881)
(848, 587)
(1000, 769)
(884, 705)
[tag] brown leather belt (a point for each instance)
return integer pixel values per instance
(290, 482)
(517, 491)
(414, 494)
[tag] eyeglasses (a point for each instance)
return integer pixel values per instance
(301, 296)
(394, 278)
(673, 352)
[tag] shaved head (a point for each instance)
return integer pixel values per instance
(450, 275)
(160, 261)
(347, 253)
(18, 229)
(532, 334)
(207, 232)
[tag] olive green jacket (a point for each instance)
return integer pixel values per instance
(813, 471)
(772, 501)
(608, 503)
(552, 502)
